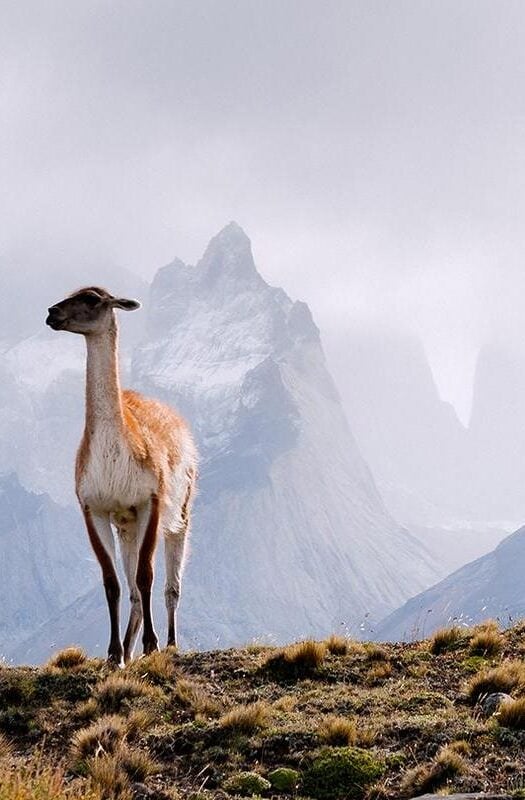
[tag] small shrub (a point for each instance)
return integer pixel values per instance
(284, 779)
(105, 735)
(17, 686)
(505, 678)
(338, 731)
(429, 777)
(337, 645)
(303, 658)
(69, 658)
(247, 783)
(118, 691)
(446, 639)
(246, 718)
(512, 714)
(341, 773)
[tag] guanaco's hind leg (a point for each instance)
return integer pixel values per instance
(174, 546)
(174, 549)
(148, 525)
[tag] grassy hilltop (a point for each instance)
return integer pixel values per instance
(324, 720)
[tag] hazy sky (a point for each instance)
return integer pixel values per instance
(373, 151)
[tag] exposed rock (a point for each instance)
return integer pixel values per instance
(492, 702)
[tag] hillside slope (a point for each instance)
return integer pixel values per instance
(337, 720)
(490, 586)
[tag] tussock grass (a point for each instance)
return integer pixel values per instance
(338, 731)
(374, 652)
(486, 640)
(429, 777)
(246, 718)
(69, 658)
(158, 667)
(117, 692)
(512, 715)
(105, 735)
(378, 672)
(337, 645)
(137, 764)
(195, 698)
(505, 678)
(446, 639)
(6, 748)
(37, 781)
(109, 778)
(298, 659)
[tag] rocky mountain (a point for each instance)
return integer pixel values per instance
(490, 587)
(290, 535)
(45, 562)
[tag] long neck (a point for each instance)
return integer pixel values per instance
(103, 398)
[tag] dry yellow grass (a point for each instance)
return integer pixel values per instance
(374, 652)
(446, 639)
(338, 731)
(108, 778)
(157, 667)
(429, 777)
(118, 691)
(379, 672)
(137, 764)
(36, 781)
(505, 678)
(246, 718)
(487, 639)
(303, 657)
(286, 703)
(68, 658)
(194, 697)
(512, 715)
(104, 736)
(6, 748)
(337, 645)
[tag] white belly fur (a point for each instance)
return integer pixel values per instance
(112, 480)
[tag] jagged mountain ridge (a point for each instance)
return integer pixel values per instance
(290, 535)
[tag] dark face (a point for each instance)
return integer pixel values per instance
(88, 311)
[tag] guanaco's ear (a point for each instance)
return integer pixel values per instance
(126, 305)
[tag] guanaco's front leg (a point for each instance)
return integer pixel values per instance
(103, 544)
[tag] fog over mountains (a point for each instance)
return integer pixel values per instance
(316, 511)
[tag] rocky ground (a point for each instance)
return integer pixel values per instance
(335, 719)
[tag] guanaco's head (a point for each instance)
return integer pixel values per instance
(88, 311)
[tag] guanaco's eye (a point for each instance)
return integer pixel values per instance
(90, 300)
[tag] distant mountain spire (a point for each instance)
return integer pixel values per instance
(229, 255)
